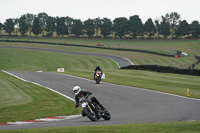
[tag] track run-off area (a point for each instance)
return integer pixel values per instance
(126, 104)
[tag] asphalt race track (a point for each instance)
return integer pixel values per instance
(126, 104)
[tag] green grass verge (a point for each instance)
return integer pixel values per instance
(20, 101)
(170, 127)
(164, 82)
(148, 45)
(138, 58)
(32, 60)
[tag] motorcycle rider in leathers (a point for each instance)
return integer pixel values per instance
(81, 93)
(97, 69)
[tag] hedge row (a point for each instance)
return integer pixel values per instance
(164, 69)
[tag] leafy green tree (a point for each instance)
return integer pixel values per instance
(69, 22)
(195, 29)
(23, 27)
(183, 29)
(157, 28)
(77, 27)
(173, 18)
(9, 26)
(164, 27)
(89, 27)
(61, 27)
(135, 26)
(50, 28)
(149, 27)
(29, 21)
(1, 27)
(36, 29)
(16, 25)
(106, 27)
(97, 24)
(120, 26)
(42, 19)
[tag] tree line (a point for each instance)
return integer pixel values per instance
(169, 25)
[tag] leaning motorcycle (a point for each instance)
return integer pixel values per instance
(92, 110)
(98, 75)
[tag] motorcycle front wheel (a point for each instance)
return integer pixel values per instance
(89, 114)
(106, 115)
(98, 80)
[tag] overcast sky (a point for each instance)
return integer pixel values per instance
(84, 9)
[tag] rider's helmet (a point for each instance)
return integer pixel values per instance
(76, 89)
(98, 66)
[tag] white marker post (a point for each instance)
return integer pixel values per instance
(103, 76)
(60, 69)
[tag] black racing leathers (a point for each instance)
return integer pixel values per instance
(81, 94)
(85, 93)
(97, 69)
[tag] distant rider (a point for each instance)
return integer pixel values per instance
(97, 69)
(82, 93)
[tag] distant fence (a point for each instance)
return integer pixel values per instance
(164, 69)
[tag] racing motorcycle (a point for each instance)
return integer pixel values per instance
(98, 77)
(92, 110)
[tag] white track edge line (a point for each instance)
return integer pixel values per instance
(40, 85)
(135, 88)
(104, 83)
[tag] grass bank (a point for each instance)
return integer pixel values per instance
(160, 46)
(170, 127)
(138, 58)
(20, 101)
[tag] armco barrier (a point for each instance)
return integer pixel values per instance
(164, 69)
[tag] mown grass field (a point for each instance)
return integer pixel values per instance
(83, 66)
(191, 47)
(20, 101)
(169, 127)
